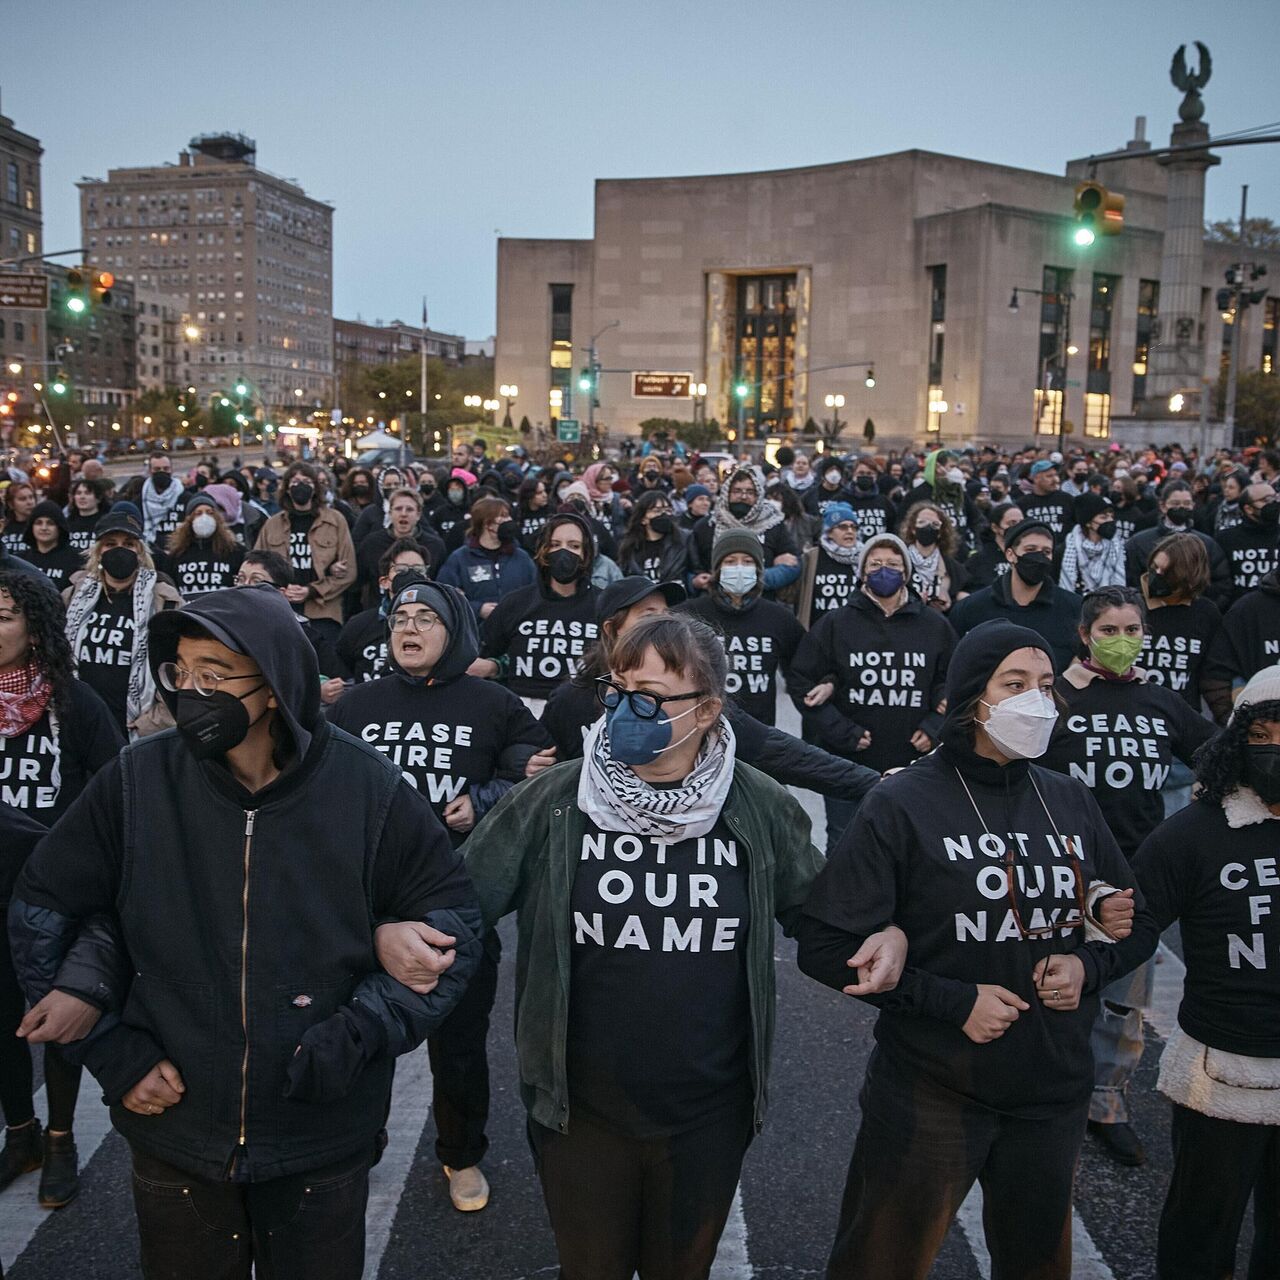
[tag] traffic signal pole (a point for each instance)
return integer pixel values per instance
(1229, 409)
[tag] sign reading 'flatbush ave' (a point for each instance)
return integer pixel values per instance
(672, 386)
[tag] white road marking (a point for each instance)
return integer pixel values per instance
(1086, 1262)
(410, 1107)
(732, 1261)
(20, 1213)
(1166, 993)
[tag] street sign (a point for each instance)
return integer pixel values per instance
(668, 386)
(24, 290)
(568, 430)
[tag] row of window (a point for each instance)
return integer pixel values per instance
(14, 192)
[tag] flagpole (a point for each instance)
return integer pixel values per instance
(422, 402)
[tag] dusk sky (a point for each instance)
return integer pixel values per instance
(430, 127)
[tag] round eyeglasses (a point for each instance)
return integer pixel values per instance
(204, 681)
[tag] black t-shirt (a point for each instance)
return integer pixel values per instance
(1119, 738)
(1178, 643)
(362, 646)
(817, 498)
(649, 560)
(445, 738)
(14, 538)
(1249, 638)
(1221, 884)
(201, 569)
(832, 584)
(531, 527)
(875, 514)
(57, 565)
(105, 652)
(1254, 551)
(1053, 509)
(1128, 519)
(40, 773)
(80, 530)
(757, 641)
(659, 1017)
(543, 635)
(300, 546)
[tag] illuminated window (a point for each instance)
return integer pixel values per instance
(1048, 411)
(1148, 306)
(765, 352)
(1097, 415)
(1270, 330)
(562, 355)
(933, 423)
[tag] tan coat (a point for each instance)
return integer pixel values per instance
(331, 543)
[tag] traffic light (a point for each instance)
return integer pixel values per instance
(585, 380)
(59, 385)
(76, 300)
(742, 391)
(100, 284)
(242, 389)
(1098, 212)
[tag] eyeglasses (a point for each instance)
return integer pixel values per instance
(205, 682)
(643, 704)
(420, 622)
(845, 526)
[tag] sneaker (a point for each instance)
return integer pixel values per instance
(22, 1152)
(1120, 1142)
(60, 1178)
(468, 1188)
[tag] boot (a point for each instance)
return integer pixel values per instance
(59, 1179)
(21, 1152)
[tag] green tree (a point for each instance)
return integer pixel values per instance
(1257, 405)
(1259, 233)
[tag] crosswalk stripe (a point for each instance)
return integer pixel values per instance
(410, 1107)
(1166, 995)
(20, 1213)
(732, 1260)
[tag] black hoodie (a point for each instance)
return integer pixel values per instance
(450, 733)
(250, 910)
(59, 564)
(1249, 638)
(929, 855)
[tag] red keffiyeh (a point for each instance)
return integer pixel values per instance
(24, 694)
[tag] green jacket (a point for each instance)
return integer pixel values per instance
(523, 857)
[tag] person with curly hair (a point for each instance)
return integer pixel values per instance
(55, 733)
(1211, 868)
(937, 575)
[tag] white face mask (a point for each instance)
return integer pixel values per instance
(203, 526)
(1021, 726)
(955, 475)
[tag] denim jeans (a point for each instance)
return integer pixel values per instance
(308, 1226)
(1117, 1043)
(918, 1153)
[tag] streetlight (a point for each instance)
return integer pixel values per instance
(492, 406)
(15, 367)
(509, 391)
(191, 332)
(870, 379)
(1177, 402)
(835, 403)
(698, 394)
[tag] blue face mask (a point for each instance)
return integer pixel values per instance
(885, 582)
(738, 579)
(633, 740)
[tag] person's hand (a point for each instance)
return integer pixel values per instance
(485, 668)
(337, 568)
(540, 760)
(487, 608)
(296, 592)
(994, 1011)
(940, 600)
(879, 962)
(701, 581)
(1115, 914)
(819, 693)
(59, 1019)
(921, 741)
(460, 814)
(785, 558)
(1059, 981)
(331, 690)
(865, 741)
(157, 1091)
(413, 953)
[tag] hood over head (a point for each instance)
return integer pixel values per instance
(49, 511)
(258, 622)
(449, 604)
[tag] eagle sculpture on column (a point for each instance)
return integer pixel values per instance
(1192, 107)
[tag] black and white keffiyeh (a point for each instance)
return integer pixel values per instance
(763, 514)
(841, 555)
(615, 799)
(157, 506)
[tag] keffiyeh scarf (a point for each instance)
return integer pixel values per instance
(1089, 565)
(763, 514)
(24, 694)
(841, 555)
(157, 506)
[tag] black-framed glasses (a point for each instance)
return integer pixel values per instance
(645, 705)
(204, 681)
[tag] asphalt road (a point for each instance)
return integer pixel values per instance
(781, 1228)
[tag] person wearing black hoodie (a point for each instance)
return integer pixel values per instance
(1248, 640)
(250, 1080)
(463, 743)
(49, 546)
(982, 1068)
(537, 635)
(362, 643)
(830, 488)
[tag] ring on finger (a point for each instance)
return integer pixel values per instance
(1053, 995)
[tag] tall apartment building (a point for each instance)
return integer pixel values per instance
(249, 252)
(21, 234)
(165, 351)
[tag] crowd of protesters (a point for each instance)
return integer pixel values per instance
(281, 747)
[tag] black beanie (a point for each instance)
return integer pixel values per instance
(976, 657)
(1088, 507)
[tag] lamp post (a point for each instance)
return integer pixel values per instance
(509, 391)
(698, 394)
(835, 403)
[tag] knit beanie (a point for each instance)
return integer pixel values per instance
(1263, 687)
(696, 491)
(837, 513)
(731, 540)
(1024, 527)
(885, 540)
(1089, 506)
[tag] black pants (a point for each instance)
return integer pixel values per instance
(459, 1059)
(622, 1205)
(918, 1153)
(308, 1226)
(1217, 1166)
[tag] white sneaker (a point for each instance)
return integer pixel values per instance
(468, 1188)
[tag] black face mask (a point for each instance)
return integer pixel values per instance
(1034, 568)
(1107, 531)
(928, 534)
(1158, 586)
(1118, 498)
(507, 531)
(865, 484)
(1179, 517)
(161, 480)
(428, 490)
(997, 496)
(739, 509)
(1262, 771)
(360, 490)
(301, 493)
(403, 577)
(121, 563)
(564, 566)
(214, 725)
(1267, 516)
(201, 480)
(662, 524)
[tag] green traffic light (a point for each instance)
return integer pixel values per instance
(224, 402)
(75, 304)
(241, 389)
(742, 391)
(58, 388)
(1084, 236)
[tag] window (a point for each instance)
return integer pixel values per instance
(31, 199)
(1097, 415)
(1101, 303)
(765, 352)
(1270, 329)
(1148, 307)
(933, 423)
(561, 313)
(1051, 365)
(19, 331)
(11, 182)
(31, 242)
(15, 238)
(937, 324)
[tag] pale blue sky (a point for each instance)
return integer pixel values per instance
(430, 126)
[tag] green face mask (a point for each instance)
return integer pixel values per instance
(1116, 653)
